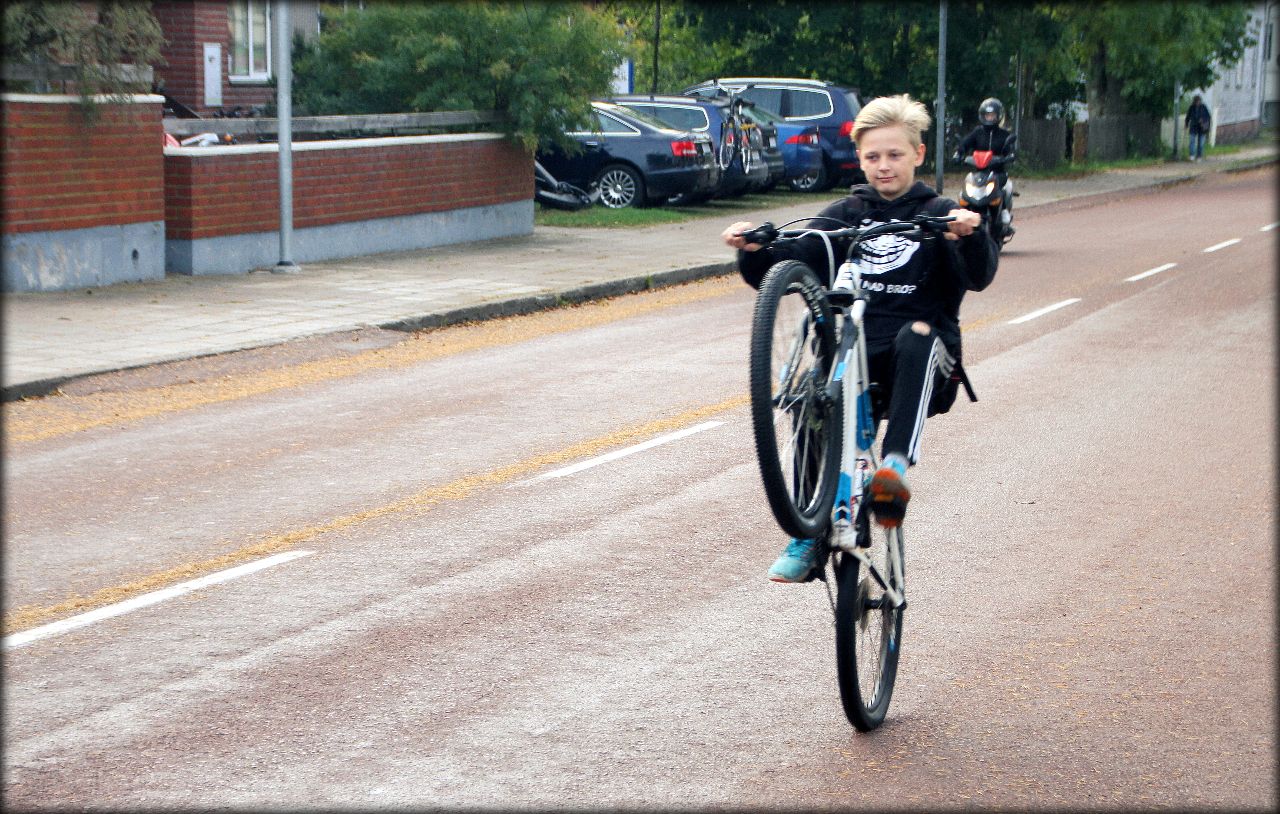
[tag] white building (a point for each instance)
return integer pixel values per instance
(1246, 93)
(1271, 64)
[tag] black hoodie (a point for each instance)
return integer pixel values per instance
(906, 280)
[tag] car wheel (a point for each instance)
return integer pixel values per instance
(815, 181)
(620, 186)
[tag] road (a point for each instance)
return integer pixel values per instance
(431, 580)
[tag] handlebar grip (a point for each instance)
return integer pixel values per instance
(763, 234)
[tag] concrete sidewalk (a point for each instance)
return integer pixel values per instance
(53, 337)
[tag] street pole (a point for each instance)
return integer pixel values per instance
(1017, 104)
(657, 35)
(941, 105)
(284, 117)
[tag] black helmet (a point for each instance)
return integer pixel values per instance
(990, 112)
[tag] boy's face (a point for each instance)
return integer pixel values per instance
(889, 160)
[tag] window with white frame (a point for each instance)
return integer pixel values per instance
(249, 59)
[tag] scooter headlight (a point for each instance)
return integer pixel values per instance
(974, 191)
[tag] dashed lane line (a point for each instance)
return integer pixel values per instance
(1048, 309)
(622, 453)
(424, 500)
(146, 600)
(1150, 272)
(1224, 244)
(1269, 226)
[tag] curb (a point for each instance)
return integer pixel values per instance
(470, 313)
(558, 299)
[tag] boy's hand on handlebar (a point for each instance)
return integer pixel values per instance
(733, 236)
(963, 225)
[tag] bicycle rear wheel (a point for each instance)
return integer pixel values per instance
(868, 628)
(797, 427)
(726, 151)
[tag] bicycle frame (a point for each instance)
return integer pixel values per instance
(858, 460)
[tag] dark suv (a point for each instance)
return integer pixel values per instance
(704, 115)
(830, 107)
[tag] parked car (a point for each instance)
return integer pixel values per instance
(701, 116)
(632, 159)
(830, 107)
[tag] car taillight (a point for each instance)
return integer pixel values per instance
(803, 138)
(683, 149)
(846, 129)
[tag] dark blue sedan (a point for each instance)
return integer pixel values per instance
(634, 160)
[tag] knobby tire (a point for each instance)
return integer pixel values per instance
(798, 431)
(868, 632)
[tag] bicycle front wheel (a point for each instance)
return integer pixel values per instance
(797, 427)
(868, 627)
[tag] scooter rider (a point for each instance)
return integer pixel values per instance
(990, 135)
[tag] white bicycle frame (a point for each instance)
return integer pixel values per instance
(858, 460)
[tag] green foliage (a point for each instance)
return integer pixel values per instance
(1135, 52)
(92, 40)
(688, 50)
(539, 63)
(887, 47)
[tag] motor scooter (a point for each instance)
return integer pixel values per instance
(985, 195)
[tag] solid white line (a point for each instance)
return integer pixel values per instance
(155, 597)
(1047, 309)
(622, 453)
(1150, 272)
(1224, 244)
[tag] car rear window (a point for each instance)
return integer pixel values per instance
(608, 124)
(681, 117)
(854, 104)
(768, 98)
(809, 103)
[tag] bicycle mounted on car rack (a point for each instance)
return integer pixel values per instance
(810, 385)
(740, 136)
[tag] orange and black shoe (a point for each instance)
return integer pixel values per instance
(889, 495)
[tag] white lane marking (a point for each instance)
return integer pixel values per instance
(1224, 244)
(1150, 272)
(1269, 226)
(54, 628)
(625, 451)
(1047, 309)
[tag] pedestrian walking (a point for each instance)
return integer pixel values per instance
(1197, 124)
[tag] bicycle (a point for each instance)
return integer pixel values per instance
(809, 385)
(736, 136)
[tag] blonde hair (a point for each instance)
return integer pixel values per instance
(890, 111)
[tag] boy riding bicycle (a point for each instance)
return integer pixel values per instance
(912, 321)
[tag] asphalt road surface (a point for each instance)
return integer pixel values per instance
(425, 576)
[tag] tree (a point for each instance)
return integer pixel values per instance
(96, 40)
(1135, 52)
(538, 63)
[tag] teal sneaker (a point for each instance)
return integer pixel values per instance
(797, 560)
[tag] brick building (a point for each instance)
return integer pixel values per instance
(218, 54)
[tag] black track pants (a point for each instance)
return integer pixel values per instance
(908, 374)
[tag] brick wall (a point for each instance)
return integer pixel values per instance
(221, 191)
(61, 172)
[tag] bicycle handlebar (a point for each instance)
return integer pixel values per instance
(918, 228)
